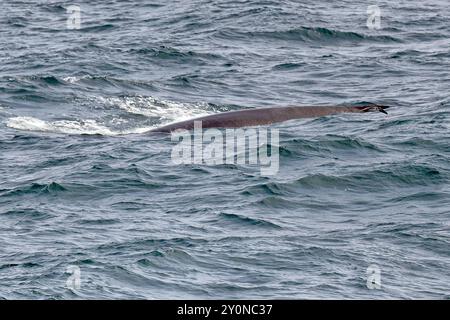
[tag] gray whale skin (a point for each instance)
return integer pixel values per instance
(264, 116)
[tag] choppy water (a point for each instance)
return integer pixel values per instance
(83, 185)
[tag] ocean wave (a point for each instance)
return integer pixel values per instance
(45, 79)
(243, 220)
(27, 214)
(395, 175)
(102, 81)
(156, 243)
(406, 175)
(31, 82)
(99, 28)
(38, 188)
(164, 52)
(308, 34)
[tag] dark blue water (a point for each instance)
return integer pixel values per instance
(83, 185)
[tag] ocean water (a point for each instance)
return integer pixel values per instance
(86, 193)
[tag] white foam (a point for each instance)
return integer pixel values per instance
(74, 79)
(68, 126)
(167, 111)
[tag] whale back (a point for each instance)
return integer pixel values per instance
(264, 116)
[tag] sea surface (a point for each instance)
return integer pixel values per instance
(86, 194)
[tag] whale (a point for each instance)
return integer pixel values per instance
(265, 116)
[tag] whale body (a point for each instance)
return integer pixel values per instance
(264, 116)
